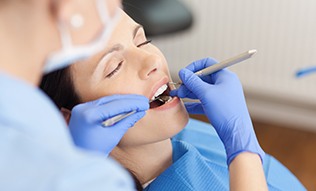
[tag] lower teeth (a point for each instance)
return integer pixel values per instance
(165, 99)
(159, 101)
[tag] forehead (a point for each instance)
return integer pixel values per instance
(123, 30)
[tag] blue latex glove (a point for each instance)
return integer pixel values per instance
(86, 121)
(222, 101)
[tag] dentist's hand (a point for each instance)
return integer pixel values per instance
(222, 101)
(86, 121)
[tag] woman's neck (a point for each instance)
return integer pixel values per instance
(146, 161)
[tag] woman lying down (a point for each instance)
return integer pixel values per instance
(130, 64)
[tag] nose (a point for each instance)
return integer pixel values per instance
(149, 65)
(146, 63)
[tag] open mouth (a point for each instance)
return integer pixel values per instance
(161, 97)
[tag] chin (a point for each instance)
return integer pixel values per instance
(159, 124)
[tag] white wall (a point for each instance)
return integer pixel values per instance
(283, 32)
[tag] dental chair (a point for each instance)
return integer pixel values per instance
(159, 17)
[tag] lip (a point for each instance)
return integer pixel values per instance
(160, 83)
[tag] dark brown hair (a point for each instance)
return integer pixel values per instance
(59, 87)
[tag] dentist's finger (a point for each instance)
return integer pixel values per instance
(193, 82)
(119, 107)
(100, 113)
(194, 108)
(201, 64)
(129, 121)
(182, 92)
(106, 99)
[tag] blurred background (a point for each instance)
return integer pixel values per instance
(282, 106)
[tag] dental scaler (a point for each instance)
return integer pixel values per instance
(221, 65)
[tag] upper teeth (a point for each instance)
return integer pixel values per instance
(160, 91)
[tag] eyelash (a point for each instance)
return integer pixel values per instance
(120, 64)
(115, 70)
(144, 43)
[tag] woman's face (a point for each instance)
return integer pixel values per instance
(131, 65)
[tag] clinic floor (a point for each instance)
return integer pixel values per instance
(294, 148)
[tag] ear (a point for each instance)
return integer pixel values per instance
(66, 113)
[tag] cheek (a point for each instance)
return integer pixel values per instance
(130, 86)
(111, 87)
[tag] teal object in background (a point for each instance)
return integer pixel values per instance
(159, 16)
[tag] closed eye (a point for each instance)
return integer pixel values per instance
(144, 43)
(115, 70)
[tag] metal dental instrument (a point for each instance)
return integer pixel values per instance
(117, 118)
(222, 65)
(111, 121)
